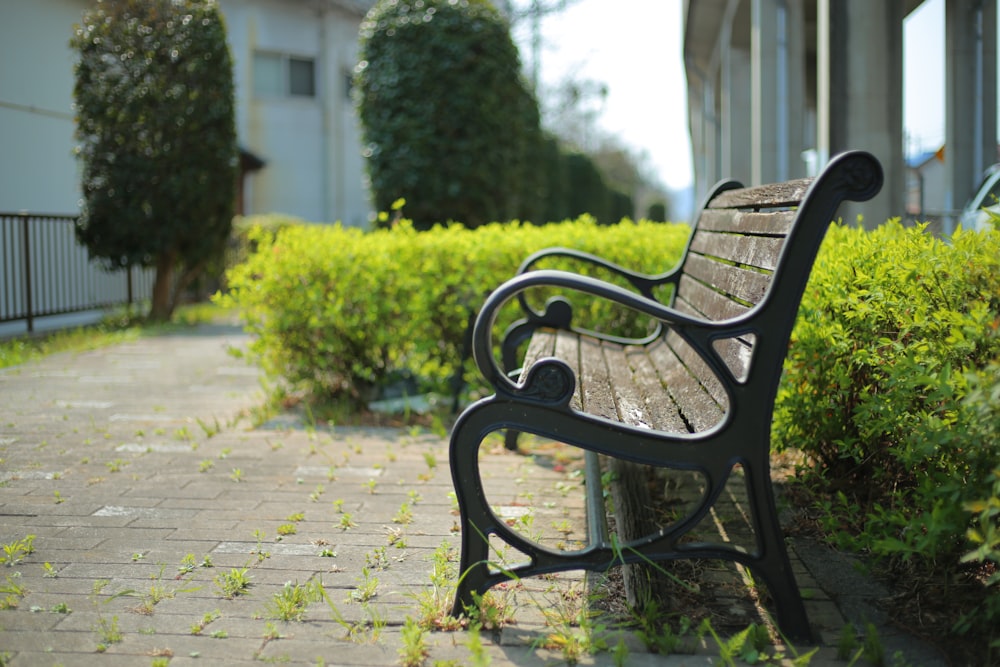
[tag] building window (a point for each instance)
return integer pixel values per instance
(302, 77)
(280, 75)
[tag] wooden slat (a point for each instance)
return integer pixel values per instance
(695, 298)
(697, 367)
(700, 410)
(595, 384)
(542, 344)
(740, 283)
(629, 404)
(649, 387)
(776, 223)
(764, 196)
(758, 251)
(568, 349)
(737, 354)
(662, 412)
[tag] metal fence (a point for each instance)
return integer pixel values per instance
(45, 271)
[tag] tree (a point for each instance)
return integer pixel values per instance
(447, 120)
(657, 211)
(156, 138)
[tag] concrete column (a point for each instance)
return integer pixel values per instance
(828, 84)
(796, 101)
(768, 83)
(736, 127)
(860, 90)
(703, 127)
(694, 131)
(970, 97)
(778, 59)
(711, 131)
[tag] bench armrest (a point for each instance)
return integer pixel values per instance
(697, 331)
(643, 282)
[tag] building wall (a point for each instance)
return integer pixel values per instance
(311, 145)
(37, 169)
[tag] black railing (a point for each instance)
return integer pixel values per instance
(45, 271)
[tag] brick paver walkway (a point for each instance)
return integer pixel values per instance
(151, 497)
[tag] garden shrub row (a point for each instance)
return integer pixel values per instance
(336, 311)
(891, 385)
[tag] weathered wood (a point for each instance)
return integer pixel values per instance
(568, 349)
(660, 402)
(633, 520)
(688, 387)
(595, 382)
(773, 223)
(736, 353)
(696, 298)
(630, 403)
(760, 252)
(542, 344)
(789, 193)
(663, 413)
(748, 286)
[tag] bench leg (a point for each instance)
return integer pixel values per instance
(773, 564)
(510, 439)
(479, 523)
(473, 570)
(476, 520)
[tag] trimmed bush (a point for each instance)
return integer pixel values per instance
(336, 311)
(894, 326)
(448, 121)
(451, 127)
(891, 387)
(657, 211)
(983, 404)
(156, 133)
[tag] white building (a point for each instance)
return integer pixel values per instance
(292, 65)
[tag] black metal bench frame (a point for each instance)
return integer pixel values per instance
(725, 333)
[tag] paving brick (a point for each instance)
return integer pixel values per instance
(162, 409)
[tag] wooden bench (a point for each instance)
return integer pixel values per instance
(697, 395)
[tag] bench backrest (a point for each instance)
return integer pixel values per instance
(753, 248)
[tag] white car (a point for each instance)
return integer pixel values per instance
(986, 201)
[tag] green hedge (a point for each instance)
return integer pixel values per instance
(449, 123)
(337, 311)
(895, 328)
(891, 388)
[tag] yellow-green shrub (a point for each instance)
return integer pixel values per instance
(893, 326)
(335, 310)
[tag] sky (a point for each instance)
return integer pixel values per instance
(637, 50)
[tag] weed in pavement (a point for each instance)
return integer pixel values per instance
(14, 552)
(414, 650)
(366, 589)
(292, 601)
(12, 591)
(210, 617)
(234, 583)
(108, 633)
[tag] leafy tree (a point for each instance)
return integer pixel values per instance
(156, 138)
(657, 211)
(588, 192)
(448, 122)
